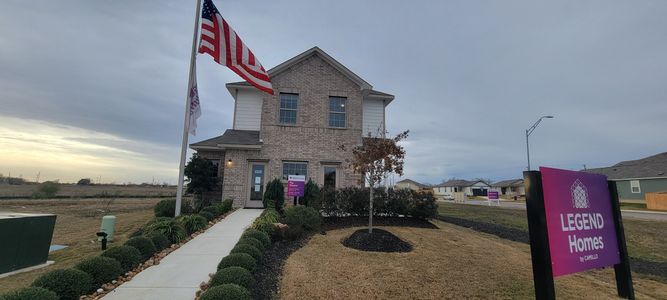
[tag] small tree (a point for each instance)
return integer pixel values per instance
(275, 193)
(310, 193)
(375, 158)
(202, 177)
(47, 189)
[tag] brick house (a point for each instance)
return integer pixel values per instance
(318, 106)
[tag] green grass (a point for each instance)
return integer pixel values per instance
(645, 239)
(633, 206)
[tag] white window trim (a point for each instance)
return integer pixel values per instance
(635, 184)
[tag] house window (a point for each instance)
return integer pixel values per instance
(337, 111)
(330, 177)
(295, 168)
(216, 166)
(634, 187)
(288, 108)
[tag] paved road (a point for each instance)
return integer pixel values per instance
(631, 214)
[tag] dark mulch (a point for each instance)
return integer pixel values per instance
(331, 223)
(378, 241)
(270, 266)
(658, 270)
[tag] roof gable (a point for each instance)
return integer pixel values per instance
(648, 167)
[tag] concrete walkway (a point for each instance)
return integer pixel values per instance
(179, 274)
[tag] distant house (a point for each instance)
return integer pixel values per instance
(470, 188)
(510, 188)
(409, 184)
(635, 178)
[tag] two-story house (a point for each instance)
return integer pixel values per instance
(318, 106)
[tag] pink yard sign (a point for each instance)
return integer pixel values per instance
(493, 195)
(296, 185)
(580, 223)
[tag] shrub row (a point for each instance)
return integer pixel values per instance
(353, 201)
(266, 222)
(157, 235)
(234, 276)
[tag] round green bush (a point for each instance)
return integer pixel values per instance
(212, 209)
(169, 228)
(243, 260)
(235, 275)
(30, 293)
(167, 207)
(261, 236)
(128, 257)
(227, 291)
(252, 242)
(247, 248)
(68, 284)
(160, 241)
(306, 217)
(225, 206)
(192, 223)
(209, 216)
(101, 269)
(144, 245)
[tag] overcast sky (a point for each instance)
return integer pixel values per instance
(96, 88)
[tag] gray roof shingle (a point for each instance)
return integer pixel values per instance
(231, 137)
(652, 166)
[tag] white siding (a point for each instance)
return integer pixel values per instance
(248, 110)
(373, 118)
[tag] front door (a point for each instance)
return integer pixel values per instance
(256, 185)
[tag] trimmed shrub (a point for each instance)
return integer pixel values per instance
(261, 236)
(294, 232)
(169, 228)
(101, 269)
(274, 191)
(228, 291)
(192, 223)
(306, 217)
(30, 293)
(207, 215)
(423, 205)
(68, 284)
(247, 248)
(311, 194)
(128, 257)
(160, 241)
(144, 245)
(243, 260)
(212, 209)
(225, 206)
(252, 242)
(167, 207)
(235, 275)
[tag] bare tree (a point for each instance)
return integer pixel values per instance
(375, 158)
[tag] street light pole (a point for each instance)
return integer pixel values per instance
(529, 131)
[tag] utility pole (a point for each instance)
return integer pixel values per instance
(529, 131)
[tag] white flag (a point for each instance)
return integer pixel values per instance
(195, 108)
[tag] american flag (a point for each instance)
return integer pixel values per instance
(220, 41)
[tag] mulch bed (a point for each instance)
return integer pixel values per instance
(378, 241)
(270, 267)
(655, 269)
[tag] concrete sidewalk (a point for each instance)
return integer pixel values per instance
(179, 274)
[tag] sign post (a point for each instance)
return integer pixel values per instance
(493, 196)
(574, 225)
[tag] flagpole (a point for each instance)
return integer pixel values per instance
(186, 122)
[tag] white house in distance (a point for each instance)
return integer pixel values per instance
(409, 184)
(509, 188)
(470, 188)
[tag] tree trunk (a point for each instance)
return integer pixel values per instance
(370, 211)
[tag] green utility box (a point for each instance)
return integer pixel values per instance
(108, 225)
(24, 240)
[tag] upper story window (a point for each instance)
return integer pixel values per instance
(635, 188)
(337, 111)
(216, 166)
(295, 168)
(288, 108)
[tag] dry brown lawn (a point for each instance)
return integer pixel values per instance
(78, 191)
(447, 263)
(76, 224)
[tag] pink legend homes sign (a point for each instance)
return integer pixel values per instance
(580, 223)
(295, 185)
